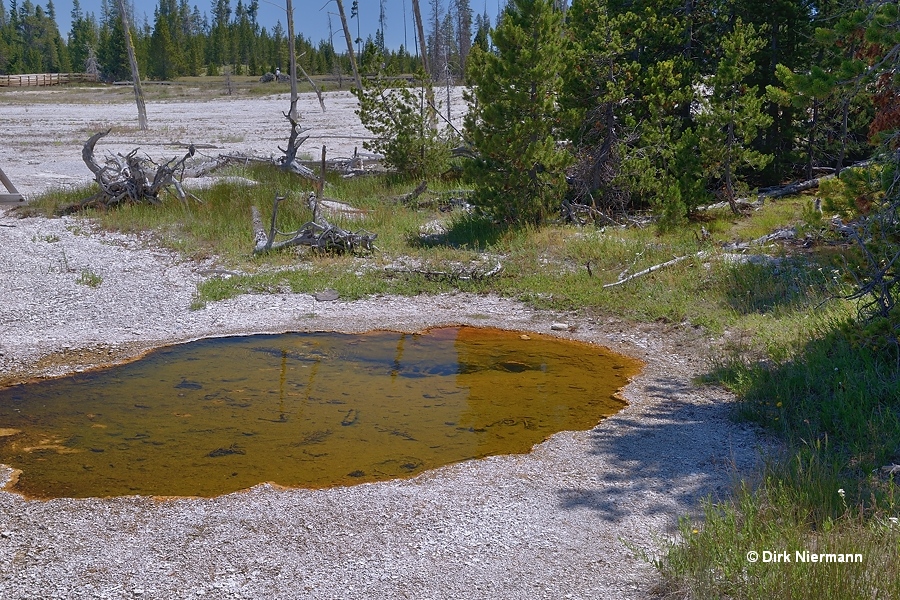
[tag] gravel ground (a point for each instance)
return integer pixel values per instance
(567, 520)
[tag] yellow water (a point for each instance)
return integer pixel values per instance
(305, 410)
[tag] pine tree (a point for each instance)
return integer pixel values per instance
(462, 10)
(401, 124)
(518, 171)
(786, 27)
(4, 45)
(112, 53)
(731, 115)
(482, 33)
(219, 47)
(165, 59)
(83, 38)
(449, 62)
(436, 41)
(873, 66)
(598, 93)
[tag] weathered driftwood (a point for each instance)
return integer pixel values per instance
(582, 214)
(295, 140)
(129, 179)
(473, 274)
(795, 188)
(781, 191)
(411, 196)
(224, 160)
(668, 263)
(318, 234)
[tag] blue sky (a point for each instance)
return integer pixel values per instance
(310, 16)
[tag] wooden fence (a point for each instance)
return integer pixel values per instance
(43, 79)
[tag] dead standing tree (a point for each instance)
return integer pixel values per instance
(340, 5)
(135, 74)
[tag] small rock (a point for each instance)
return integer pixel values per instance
(524, 336)
(326, 295)
(560, 327)
(6, 534)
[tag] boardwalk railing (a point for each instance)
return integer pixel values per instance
(13, 195)
(43, 79)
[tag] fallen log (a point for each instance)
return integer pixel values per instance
(408, 198)
(649, 270)
(795, 188)
(782, 191)
(454, 276)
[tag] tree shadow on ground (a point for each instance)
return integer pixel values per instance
(670, 456)
(472, 231)
(764, 284)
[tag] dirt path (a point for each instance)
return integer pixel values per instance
(561, 522)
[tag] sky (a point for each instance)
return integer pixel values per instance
(310, 16)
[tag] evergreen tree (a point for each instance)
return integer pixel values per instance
(731, 116)
(787, 30)
(512, 123)
(449, 63)
(112, 52)
(482, 33)
(245, 33)
(599, 94)
(435, 41)
(41, 48)
(402, 127)
(382, 22)
(219, 47)
(4, 47)
(463, 13)
(165, 58)
(83, 37)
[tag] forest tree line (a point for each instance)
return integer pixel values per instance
(180, 40)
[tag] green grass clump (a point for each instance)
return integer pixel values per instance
(833, 400)
(710, 560)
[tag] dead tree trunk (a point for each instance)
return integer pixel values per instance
(289, 161)
(429, 91)
(135, 74)
(349, 39)
(417, 17)
(292, 52)
(314, 86)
